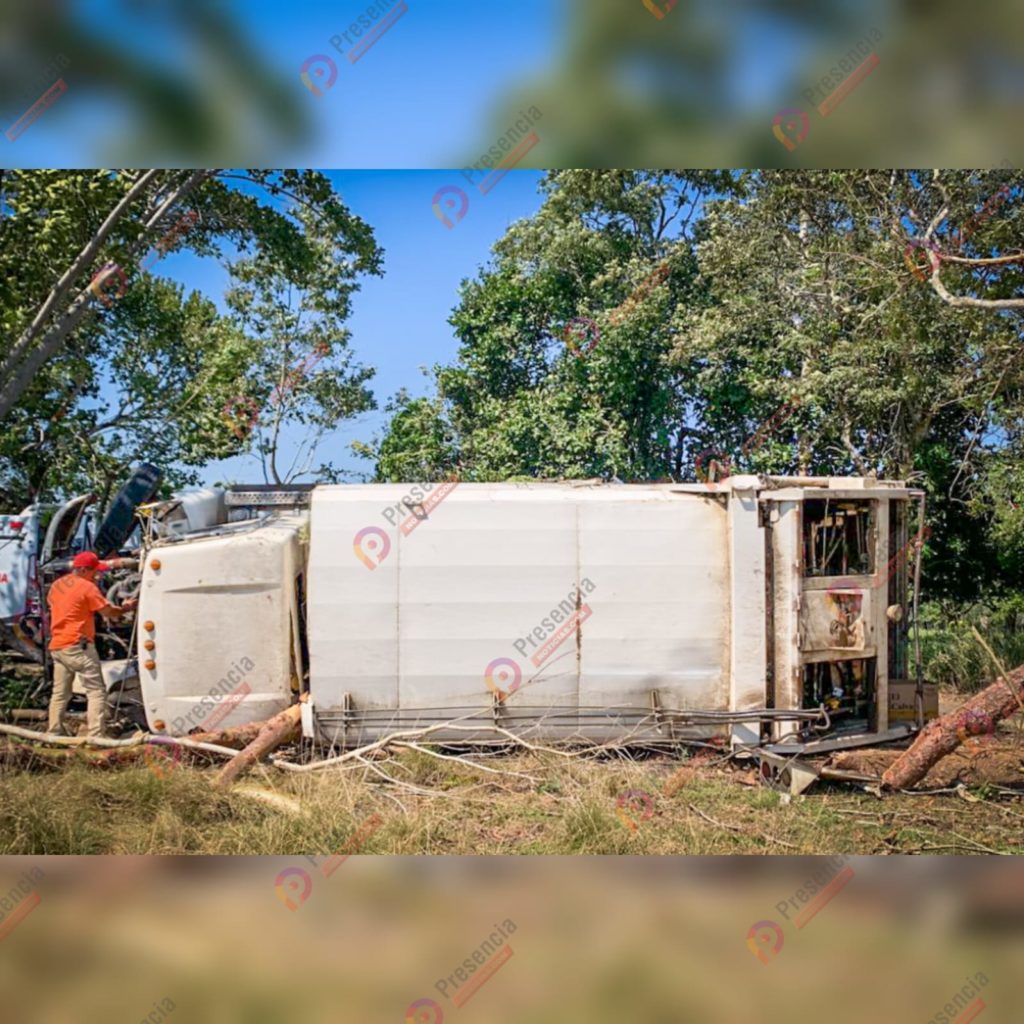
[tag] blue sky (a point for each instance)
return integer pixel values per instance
(400, 321)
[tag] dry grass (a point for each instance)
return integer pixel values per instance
(572, 809)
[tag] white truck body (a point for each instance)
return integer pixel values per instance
(659, 612)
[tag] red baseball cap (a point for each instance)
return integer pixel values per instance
(89, 560)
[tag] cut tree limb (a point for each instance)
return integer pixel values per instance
(71, 741)
(275, 731)
(237, 736)
(944, 735)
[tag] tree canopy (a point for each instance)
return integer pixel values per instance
(646, 325)
(105, 362)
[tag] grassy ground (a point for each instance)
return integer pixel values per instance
(569, 806)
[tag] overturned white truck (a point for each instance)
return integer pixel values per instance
(765, 610)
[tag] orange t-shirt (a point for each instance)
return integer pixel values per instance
(73, 602)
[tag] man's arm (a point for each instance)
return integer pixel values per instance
(113, 611)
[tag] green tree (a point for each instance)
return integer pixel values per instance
(777, 322)
(294, 316)
(563, 368)
(815, 288)
(106, 362)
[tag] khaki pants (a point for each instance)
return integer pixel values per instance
(85, 662)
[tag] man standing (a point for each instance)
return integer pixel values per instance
(74, 600)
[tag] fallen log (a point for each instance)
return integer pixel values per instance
(274, 732)
(943, 735)
(237, 736)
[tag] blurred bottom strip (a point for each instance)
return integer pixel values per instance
(596, 939)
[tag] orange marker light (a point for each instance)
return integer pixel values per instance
(149, 625)
(151, 664)
(159, 724)
(154, 563)
(149, 645)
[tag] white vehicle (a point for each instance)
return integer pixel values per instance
(763, 610)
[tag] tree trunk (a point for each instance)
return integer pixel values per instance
(942, 736)
(237, 736)
(275, 731)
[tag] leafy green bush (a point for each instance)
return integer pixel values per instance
(950, 650)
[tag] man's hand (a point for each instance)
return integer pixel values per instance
(113, 611)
